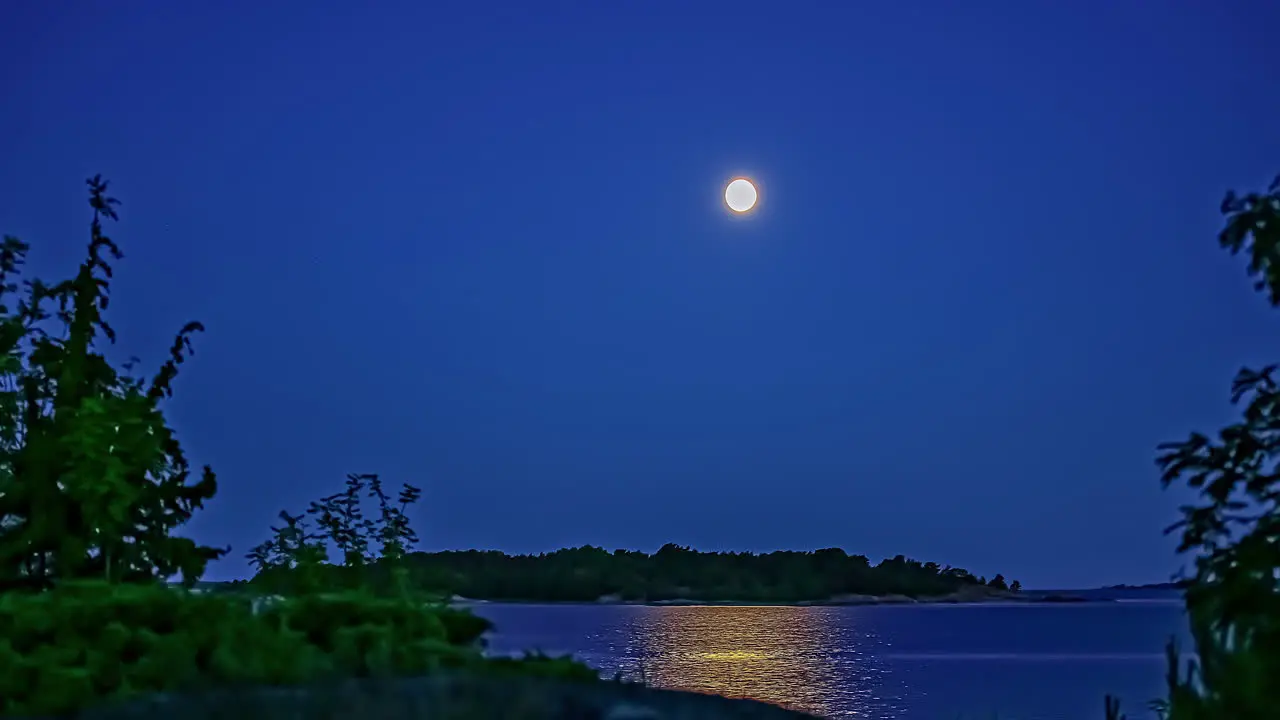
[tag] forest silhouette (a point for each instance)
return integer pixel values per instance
(299, 551)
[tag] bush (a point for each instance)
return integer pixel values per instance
(86, 643)
(462, 627)
(364, 635)
(546, 666)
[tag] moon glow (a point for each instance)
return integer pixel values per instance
(740, 195)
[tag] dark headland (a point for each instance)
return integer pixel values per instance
(678, 575)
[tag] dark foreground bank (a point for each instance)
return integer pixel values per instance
(444, 696)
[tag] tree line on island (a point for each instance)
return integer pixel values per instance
(675, 572)
(337, 527)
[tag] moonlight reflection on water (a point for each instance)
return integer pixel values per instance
(782, 655)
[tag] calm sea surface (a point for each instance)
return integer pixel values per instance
(923, 662)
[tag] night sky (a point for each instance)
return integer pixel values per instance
(482, 248)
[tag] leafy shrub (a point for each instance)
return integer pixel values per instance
(546, 666)
(86, 643)
(364, 635)
(462, 627)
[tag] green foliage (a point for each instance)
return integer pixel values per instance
(540, 665)
(1251, 228)
(84, 643)
(365, 635)
(1232, 530)
(461, 627)
(93, 482)
(294, 559)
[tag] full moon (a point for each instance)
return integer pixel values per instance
(740, 195)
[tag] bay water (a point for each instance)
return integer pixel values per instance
(1026, 661)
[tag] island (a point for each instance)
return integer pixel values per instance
(680, 575)
(1176, 585)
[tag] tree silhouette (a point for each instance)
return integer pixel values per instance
(1232, 529)
(93, 482)
(294, 559)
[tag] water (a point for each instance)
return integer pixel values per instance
(922, 662)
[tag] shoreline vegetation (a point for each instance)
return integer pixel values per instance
(973, 595)
(673, 575)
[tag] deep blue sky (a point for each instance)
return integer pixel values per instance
(481, 248)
